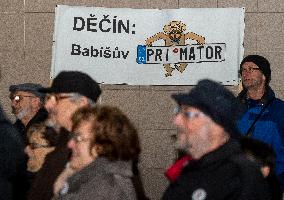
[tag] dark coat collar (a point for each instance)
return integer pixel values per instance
(267, 97)
(224, 152)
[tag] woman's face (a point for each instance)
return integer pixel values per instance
(36, 150)
(80, 144)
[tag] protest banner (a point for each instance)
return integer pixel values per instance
(149, 46)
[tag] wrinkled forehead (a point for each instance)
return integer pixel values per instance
(37, 136)
(249, 64)
(64, 93)
(84, 123)
(21, 93)
(189, 108)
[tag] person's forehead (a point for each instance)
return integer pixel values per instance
(83, 126)
(190, 108)
(37, 136)
(61, 94)
(23, 93)
(249, 64)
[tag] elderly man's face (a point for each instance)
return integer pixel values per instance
(80, 144)
(193, 131)
(61, 108)
(22, 103)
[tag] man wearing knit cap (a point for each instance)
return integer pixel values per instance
(69, 91)
(27, 105)
(263, 112)
(206, 121)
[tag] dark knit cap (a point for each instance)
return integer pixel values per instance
(215, 101)
(262, 63)
(74, 82)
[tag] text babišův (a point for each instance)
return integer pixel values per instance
(98, 52)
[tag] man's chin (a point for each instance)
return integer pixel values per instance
(248, 84)
(182, 146)
(21, 114)
(31, 167)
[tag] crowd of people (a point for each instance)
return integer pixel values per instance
(65, 146)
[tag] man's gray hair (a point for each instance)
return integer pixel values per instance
(75, 97)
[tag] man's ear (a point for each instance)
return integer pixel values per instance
(263, 78)
(265, 171)
(36, 102)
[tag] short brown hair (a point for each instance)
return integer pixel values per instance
(114, 134)
(48, 133)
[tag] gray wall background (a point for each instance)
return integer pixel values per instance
(25, 56)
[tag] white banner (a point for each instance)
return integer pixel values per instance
(149, 46)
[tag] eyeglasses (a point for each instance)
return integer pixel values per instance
(18, 98)
(56, 97)
(37, 146)
(249, 70)
(188, 114)
(78, 138)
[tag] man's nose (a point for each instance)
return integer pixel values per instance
(13, 103)
(27, 150)
(177, 119)
(71, 143)
(245, 72)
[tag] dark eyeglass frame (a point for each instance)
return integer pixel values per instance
(249, 70)
(78, 138)
(188, 114)
(57, 97)
(38, 146)
(19, 98)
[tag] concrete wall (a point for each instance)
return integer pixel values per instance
(25, 56)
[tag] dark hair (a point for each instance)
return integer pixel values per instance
(48, 133)
(263, 155)
(258, 152)
(115, 137)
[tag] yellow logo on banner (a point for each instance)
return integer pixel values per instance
(174, 35)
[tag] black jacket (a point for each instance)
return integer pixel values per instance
(12, 161)
(39, 117)
(54, 164)
(223, 174)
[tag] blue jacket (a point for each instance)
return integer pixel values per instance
(269, 128)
